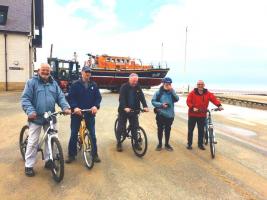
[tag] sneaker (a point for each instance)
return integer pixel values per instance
(189, 147)
(159, 147)
(96, 159)
(168, 147)
(119, 147)
(70, 159)
(29, 172)
(201, 147)
(48, 164)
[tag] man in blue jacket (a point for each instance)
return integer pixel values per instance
(40, 95)
(163, 101)
(84, 94)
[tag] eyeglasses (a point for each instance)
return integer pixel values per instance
(200, 84)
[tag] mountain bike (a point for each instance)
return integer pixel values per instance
(141, 136)
(56, 159)
(209, 134)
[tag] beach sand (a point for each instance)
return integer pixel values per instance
(239, 170)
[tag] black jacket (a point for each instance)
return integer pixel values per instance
(125, 95)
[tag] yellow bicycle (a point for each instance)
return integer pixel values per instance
(84, 142)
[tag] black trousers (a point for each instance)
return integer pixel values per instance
(200, 125)
(122, 120)
(164, 124)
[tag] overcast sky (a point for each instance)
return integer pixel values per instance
(227, 40)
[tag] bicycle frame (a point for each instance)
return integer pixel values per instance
(49, 134)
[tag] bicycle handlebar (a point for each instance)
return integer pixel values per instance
(49, 114)
(86, 110)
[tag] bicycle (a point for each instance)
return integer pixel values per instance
(85, 143)
(141, 136)
(56, 159)
(209, 134)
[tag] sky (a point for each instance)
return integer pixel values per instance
(226, 40)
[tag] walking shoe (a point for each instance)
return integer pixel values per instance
(29, 172)
(159, 147)
(119, 147)
(96, 159)
(189, 147)
(48, 164)
(201, 147)
(168, 147)
(70, 159)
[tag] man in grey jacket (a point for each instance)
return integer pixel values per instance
(163, 101)
(40, 95)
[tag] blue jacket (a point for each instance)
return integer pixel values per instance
(41, 97)
(169, 97)
(84, 98)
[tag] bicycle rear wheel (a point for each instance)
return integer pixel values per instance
(23, 140)
(142, 142)
(88, 150)
(58, 160)
(212, 144)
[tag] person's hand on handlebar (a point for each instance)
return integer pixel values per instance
(67, 111)
(146, 109)
(77, 111)
(220, 108)
(94, 110)
(32, 116)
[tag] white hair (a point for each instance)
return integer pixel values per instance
(133, 75)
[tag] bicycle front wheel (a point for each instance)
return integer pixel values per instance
(23, 140)
(212, 144)
(58, 160)
(141, 143)
(123, 135)
(88, 150)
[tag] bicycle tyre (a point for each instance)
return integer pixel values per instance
(123, 136)
(23, 141)
(87, 151)
(58, 161)
(141, 140)
(212, 145)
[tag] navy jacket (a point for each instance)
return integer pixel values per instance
(131, 97)
(84, 98)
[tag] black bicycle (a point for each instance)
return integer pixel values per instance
(141, 136)
(209, 134)
(56, 159)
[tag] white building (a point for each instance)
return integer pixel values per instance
(21, 23)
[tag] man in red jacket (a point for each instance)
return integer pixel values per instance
(198, 102)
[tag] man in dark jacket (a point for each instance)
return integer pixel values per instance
(131, 95)
(198, 102)
(84, 94)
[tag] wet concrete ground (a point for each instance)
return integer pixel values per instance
(239, 170)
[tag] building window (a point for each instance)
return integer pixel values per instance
(3, 14)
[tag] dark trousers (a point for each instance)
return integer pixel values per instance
(122, 120)
(164, 124)
(200, 125)
(75, 126)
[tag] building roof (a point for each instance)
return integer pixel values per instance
(19, 16)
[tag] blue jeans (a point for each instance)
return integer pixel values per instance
(75, 125)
